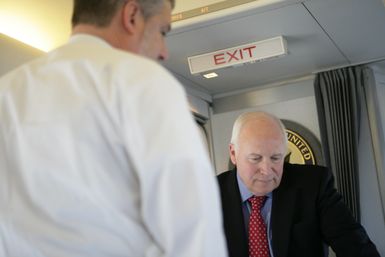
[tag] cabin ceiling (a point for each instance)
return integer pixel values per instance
(320, 35)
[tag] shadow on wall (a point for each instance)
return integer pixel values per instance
(14, 53)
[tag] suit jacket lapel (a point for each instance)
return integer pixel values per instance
(282, 214)
(234, 220)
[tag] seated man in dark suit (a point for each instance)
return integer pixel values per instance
(299, 209)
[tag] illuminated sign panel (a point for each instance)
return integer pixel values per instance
(248, 53)
(187, 9)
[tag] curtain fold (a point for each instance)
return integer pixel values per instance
(339, 96)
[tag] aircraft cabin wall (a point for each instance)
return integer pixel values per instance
(13, 53)
(372, 158)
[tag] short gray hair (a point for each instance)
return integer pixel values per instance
(101, 12)
(150, 7)
(248, 116)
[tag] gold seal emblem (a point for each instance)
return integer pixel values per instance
(299, 150)
(303, 147)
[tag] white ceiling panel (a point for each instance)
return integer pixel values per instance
(356, 26)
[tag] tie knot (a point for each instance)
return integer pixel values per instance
(256, 202)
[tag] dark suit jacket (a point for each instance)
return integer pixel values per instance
(306, 212)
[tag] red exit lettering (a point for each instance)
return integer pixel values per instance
(235, 55)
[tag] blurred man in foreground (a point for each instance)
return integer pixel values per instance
(99, 155)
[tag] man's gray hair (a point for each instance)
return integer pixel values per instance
(101, 12)
(150, 7)
(248, 116)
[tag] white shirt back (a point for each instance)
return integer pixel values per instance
(99, 156)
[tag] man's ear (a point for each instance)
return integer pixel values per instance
(131, 16)
(232, 154)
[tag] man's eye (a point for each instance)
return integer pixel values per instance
(276, 158)
(254, 159)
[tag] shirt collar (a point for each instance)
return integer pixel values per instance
(83, 37)
(245, 193)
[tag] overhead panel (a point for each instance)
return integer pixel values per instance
(203, 10)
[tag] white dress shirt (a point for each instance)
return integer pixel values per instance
(99, 156)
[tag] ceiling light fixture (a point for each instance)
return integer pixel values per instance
(238, 55)
(210, 75)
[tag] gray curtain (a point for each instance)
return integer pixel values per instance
(338, 96)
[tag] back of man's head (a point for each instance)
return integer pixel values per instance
(101, 12)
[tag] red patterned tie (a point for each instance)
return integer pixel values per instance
(258, 245)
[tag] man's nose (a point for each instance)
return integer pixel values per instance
(264, 166)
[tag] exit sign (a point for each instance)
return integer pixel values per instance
(248, 53)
